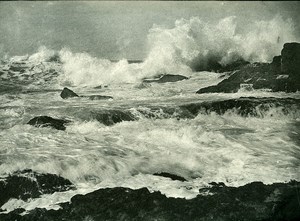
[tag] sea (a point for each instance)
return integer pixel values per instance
(229, 147)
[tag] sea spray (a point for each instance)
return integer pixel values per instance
(178, 49)
(191, 44)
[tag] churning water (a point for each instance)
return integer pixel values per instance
(210, 147)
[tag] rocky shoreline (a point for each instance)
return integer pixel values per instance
(283, 74)
(27, 184)
(253, 201)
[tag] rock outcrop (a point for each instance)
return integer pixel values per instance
(45, 121)
(290, 60)
(254, 201)
(283, 74)
(28, 184)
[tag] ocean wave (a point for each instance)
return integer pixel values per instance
(190, 44)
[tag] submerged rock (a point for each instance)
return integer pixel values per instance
(28, 184)
(254, 201)
(265, 75)
(111, 117)
(166, 78)
(98, 97)
(171, 176)
(67, 93)
(45, 121)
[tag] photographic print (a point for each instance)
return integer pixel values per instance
(149, 110)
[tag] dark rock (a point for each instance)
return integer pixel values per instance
(233, 66)
(171, 176)
(166, 78)
(276, 63)
(210, 62)
(260, 75)
(110, 117)
(134, 61)
(45, 121)
(290, 61)
(254, 201)
(27, 184)
(67, 93)
(213, 64)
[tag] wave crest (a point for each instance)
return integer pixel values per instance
(191, 44)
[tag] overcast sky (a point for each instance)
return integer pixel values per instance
(114, 30)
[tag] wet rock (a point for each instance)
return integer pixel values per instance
(250, 74)
(45, 121)
(67, 93)
(171, 176)
(265, 75)
(99, 97)
(254, 201)
(290, 61)
(233, 66)
(276, 63)
(110, 117)
(244, 106)
(166, 78)
(212, 63)
(28, 184)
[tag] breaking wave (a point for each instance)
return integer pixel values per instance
(192, 44)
